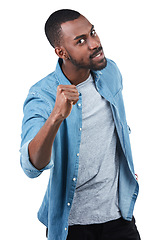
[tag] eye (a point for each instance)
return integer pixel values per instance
(81, 41)
(93, 32)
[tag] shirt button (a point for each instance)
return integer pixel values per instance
(79, 104)
(65, 229)
(68, 204)
(77, 154)
(80, 129)
(74, 179)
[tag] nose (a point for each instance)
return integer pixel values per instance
(93, 44)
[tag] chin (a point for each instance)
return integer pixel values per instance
(100, 66)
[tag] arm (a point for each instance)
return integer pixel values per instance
(41, 146)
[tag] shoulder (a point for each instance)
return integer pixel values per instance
(112, 69)
(111, 77)
(46, 86)
(112, 74)
(42, 94)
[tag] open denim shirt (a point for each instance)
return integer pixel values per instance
(64, 162)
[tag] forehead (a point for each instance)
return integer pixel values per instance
(77, 27)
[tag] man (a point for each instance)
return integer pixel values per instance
(74, 124)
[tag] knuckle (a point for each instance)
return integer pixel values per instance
(65, 97)
(59, 87)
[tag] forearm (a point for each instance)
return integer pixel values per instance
(40, 148)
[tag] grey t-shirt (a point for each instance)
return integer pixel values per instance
(96, 195)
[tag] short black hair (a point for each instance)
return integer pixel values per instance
(53, 24)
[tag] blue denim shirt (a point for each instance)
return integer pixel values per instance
(64, 162)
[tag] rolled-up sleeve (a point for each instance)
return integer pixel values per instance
(36, 111)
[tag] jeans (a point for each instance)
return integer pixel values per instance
(119, 229)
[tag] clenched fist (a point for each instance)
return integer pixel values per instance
(67, 95)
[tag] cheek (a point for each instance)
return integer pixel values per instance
(80, 54)
(97, 39)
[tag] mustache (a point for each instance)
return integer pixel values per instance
(96, 52)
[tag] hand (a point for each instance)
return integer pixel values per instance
(67, 96)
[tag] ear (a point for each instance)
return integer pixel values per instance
(61, 53)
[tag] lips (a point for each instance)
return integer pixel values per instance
(97, 53)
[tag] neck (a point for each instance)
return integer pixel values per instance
(74, 74)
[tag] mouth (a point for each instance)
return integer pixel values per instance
(98, 54)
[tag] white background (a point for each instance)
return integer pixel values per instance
(129, 32)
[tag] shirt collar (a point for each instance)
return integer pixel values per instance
(61, 78)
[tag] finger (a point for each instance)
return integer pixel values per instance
(70, 94)
(75, 101)
(69, 88)
(72, 98)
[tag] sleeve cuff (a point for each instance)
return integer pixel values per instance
(27, 166)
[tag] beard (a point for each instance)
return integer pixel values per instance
(92, 65)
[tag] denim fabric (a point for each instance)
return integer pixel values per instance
(56, 205)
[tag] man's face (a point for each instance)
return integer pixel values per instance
(82, 44)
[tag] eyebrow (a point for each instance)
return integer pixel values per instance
(83, 35)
